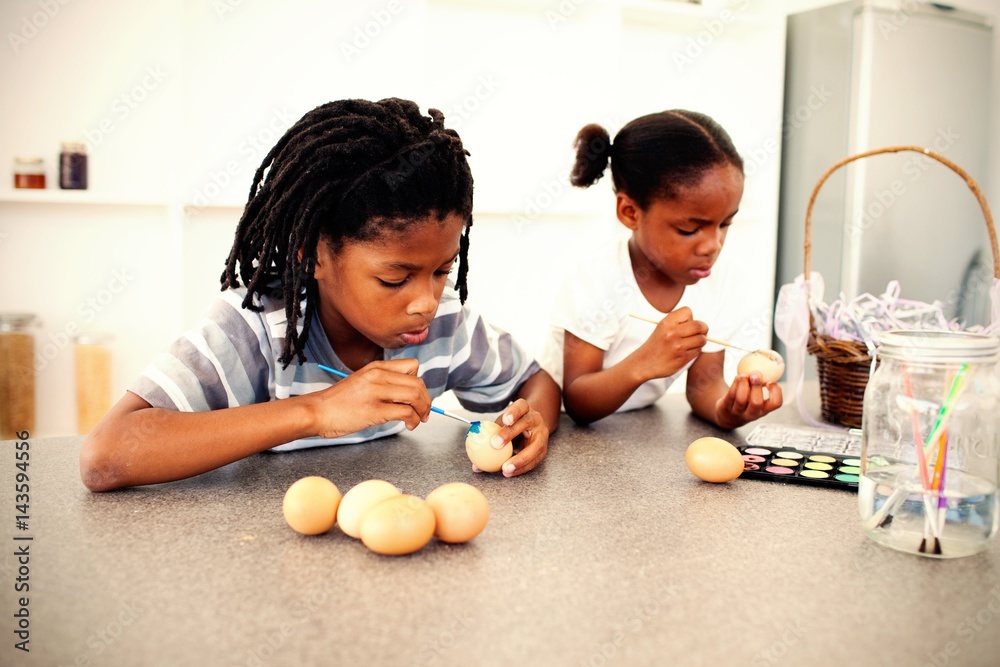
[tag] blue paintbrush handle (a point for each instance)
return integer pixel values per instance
(340, 374)
(436, 409)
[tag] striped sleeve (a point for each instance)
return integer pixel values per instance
(486, 366)
(223, 363)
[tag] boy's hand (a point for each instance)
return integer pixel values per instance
(520, 420)
(380, 392)
(745, 402)
(676, 341)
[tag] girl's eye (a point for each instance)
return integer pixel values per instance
(684, 232)
(444, 272)
(392, 285)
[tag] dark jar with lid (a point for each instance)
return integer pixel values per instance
(73, 166)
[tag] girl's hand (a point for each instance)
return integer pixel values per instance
(676, 341)
(745, 402)
(519, 420)
(380, 392)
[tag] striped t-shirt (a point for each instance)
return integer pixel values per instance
(231, 359)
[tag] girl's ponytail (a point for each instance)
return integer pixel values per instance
(593, 151)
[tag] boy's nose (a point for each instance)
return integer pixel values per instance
(424, 301)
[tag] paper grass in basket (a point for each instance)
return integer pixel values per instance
(843, 335)
(852, 329)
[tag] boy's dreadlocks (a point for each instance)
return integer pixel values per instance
(347, 170)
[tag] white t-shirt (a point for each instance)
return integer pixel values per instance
(597, 297)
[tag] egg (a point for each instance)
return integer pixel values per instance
(713, 460)
(398, 525)
(482, 454)
(768, 363)
(358, 500)
(460, 511)
(310, 505)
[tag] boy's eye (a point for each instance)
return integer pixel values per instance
(685, 232)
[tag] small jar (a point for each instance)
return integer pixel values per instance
(930, 440)
(29, 173)
(73, 166)
(93, 379)
(17, 374)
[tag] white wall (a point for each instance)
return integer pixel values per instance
(181, 99)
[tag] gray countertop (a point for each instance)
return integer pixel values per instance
(611, 553)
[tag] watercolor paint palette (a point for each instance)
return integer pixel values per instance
(793, 466)
(807, 438)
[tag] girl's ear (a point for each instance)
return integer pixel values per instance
(629, 213)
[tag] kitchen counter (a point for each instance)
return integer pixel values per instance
(611, 553)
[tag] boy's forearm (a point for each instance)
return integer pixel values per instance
(153, 445)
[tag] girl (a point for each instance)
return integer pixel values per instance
(678, 181)
(341, 258)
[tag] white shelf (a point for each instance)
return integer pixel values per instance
(215, 206)
(57, 196)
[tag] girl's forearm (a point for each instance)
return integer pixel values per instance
(593, 396)
(542, 394)
(705, 387)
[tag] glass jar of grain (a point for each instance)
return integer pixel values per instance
(93, 379)
(17, 374)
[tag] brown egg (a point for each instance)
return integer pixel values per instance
(310, 505)
(358, 500)
(398, 525)
(460, 511)
(713, 460)
(768, 363)
(482, 453)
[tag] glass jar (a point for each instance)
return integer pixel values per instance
(73, 166)
(92, 362)
(17, 374)
(929, 448)
(29, 172)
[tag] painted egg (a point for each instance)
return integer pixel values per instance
(768, 363)
(482, 454)
(310, 505)
(460, 511)
(713, 460)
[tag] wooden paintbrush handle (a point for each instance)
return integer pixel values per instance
(710, 339)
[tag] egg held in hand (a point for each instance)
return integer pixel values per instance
(482, 454)
(460, 510)
(398, 525)
(358, 500)
(310, 505)
(713, 460)
(768, 363)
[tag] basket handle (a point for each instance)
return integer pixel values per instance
(969, 181)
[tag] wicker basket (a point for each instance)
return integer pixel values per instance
(844, 366)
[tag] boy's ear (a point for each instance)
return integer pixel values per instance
(628, 211)
(323, 259)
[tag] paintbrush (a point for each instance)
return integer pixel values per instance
(708, 338)
(473, 425)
